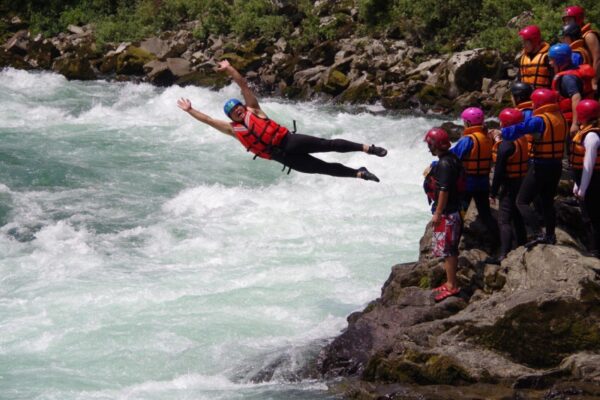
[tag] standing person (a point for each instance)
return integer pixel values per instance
(444, 179)
(474, 149)
(521, 98)
(549, 129)
(591, 38)
(584, 162)
(534, 67)
(269, 140)
(511, 158)
(572, 83)
(571, 35)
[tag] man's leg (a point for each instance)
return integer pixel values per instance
(302, 144)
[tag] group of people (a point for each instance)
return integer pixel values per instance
(555, 107)
(556, 114)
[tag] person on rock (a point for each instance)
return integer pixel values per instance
(591, 40)
(549, 130)
(443, 186)
(573, 83)
(534, 67)
(474, 149)
(272, 141)
(511, 159)
(584, 162)
(571, 35)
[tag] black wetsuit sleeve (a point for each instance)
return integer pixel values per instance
(505, 150)
(570, 85)
(445, 175)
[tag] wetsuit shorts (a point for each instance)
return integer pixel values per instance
(446, 235)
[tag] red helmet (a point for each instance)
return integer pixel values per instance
(510, 116)
(588, 110)
(542, 97)
(576, 12)
(438, 139)
(532, 33)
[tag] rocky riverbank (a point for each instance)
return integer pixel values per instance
(528, 329)
(354, 70)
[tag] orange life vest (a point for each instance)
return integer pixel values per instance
(479, 161)
(516, 165)
(577, 152)
(578, 46)
(536, 70)
(585, 73)
(552, 143)
(259, 135)
(587, 30)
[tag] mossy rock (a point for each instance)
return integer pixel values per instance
(363, 92)
(336, 82)
(541, 335)
(444, 370)
(396, 370)
(132, 60)
(74, 68)
(243, 63)
(434, 95)
(201, 78)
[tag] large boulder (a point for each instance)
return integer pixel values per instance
(19, 43)
(132, 60)
(528, 322)
(464, 71)
(73, 66)
(361, 90)
(42, 53)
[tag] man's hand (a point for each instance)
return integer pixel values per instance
(223, 65)
(495, 135)
(184, 104)
(492, 201)
(436, 219)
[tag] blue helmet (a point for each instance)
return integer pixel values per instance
(230, 105)
(561, 54)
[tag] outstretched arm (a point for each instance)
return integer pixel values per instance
(249, 97)
(222, 126)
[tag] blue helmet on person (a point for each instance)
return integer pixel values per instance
(230, 105)
(560, 54)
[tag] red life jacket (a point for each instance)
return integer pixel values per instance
(259, 135)
(585, 73)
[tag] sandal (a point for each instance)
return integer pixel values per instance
(440, 288)
(445, 293)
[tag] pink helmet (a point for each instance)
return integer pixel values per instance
(473, 115)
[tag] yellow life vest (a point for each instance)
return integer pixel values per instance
(577, 153)
(516, 165)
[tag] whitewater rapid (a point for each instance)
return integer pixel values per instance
(146, 256)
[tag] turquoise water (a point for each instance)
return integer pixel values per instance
(146, 256)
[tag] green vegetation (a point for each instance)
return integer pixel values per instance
(435, 25)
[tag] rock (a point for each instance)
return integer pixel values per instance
(158, 73)
(323, 54)
(41, 53)
(243, 63)
(584, 366)
(160, 48)
(74, 67)
(178, 67)
(311, 75)
(520, 21)
(76, 29)
(18, 43)
(205, 76)
(465, 71)
(132, 60)
(335, 82)
(359, 91)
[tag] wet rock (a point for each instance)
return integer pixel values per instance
(178, 66)
(41, 53)
(584, 366)
(74, 67)
(359, 91)
(243, 63)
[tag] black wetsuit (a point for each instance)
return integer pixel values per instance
(507, 189)
(447, 172)
(294, 149)
(542, 179)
